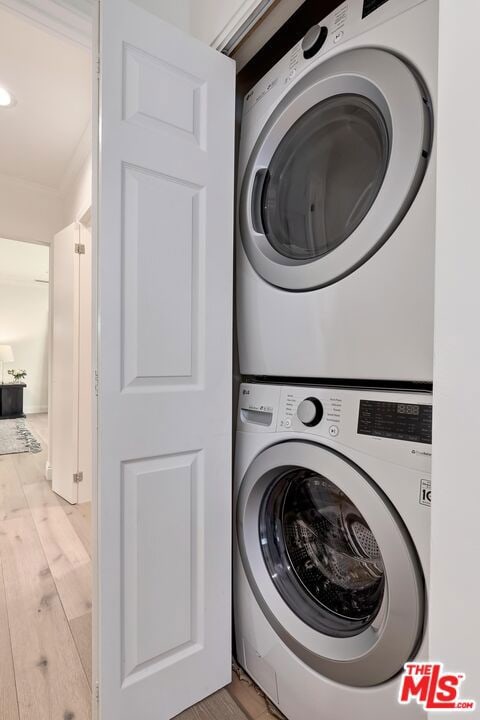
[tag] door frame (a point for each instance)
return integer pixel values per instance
(84, 220)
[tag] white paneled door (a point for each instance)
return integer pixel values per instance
(71, 394)
(164, 269)
(65, 361)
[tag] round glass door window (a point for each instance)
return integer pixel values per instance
(321, 554)
(324, 177)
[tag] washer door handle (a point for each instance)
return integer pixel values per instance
(257, 191)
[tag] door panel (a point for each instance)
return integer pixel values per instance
(65, 331)
(165, 216)
(160, 275)
(165, 482)
(85, 374)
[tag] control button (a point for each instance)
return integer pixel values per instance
(310, 411)
(338, 36)
(333, 430)
(314, 40)
(288, 423)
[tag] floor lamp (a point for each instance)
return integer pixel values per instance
(6, 355)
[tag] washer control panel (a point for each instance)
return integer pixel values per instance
(318, 412)
(310, 411)
(410, 422)
(258, 407)
(388, 424)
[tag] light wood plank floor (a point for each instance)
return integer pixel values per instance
(45, 604)
(45, 594)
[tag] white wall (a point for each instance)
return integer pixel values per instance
(29, 212)
(78, 197)
(455, 589)
(24, 316)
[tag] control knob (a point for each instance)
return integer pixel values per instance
(314, 40)
(310, 411)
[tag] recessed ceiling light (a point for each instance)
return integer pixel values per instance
(6, 98)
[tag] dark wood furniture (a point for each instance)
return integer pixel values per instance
(11, 400)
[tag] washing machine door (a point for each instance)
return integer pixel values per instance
(330, 563)
(335, 168)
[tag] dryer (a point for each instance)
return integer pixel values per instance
(336, 206)
(331, 546)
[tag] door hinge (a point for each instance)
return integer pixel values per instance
(97, 691)
(96, 383)
(78, 477)
(98, 66)
(80, 248)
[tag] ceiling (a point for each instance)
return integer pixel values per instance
(23, 262)
(50, 79)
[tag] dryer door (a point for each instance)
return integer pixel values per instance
(335, 169)
(330, 563)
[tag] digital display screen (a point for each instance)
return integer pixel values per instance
(408, 409)
(370, 5)
(399, 421)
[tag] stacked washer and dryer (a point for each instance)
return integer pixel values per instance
(335, 275)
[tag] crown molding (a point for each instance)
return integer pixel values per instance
(24, 184)
(71, 19)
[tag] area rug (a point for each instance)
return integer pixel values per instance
(15, 437)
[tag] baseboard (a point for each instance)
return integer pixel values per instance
(48, 471)
(35, 409)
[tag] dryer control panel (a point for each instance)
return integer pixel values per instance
(347, 21)
(393, 425)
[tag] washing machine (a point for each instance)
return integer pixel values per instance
(336, 206)
(331, 546)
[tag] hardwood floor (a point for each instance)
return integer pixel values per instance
(250, 698)
(45, 594)
(45, 604)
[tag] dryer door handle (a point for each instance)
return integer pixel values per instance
(257, 192)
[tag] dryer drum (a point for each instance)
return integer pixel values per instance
(320, 553)
(324, 177)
